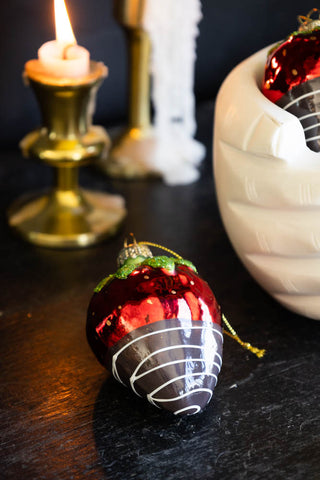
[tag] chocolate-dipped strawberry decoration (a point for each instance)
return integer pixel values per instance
(292, 76)
(156, 325)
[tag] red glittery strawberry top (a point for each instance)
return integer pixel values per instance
(291, 63)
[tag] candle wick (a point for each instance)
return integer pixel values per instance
(65, 51)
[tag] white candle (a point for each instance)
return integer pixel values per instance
(61, 60)
(63, 57)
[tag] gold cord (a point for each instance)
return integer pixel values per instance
(150, 244)
(233, 334)
(305, 19)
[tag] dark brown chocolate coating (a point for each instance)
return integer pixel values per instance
(303, 101)
(174, 363)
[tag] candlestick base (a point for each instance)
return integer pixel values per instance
(131, 156)
(70, 218)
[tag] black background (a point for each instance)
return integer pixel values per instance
(229, 32)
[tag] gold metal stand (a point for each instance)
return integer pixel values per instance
(131, 152)
(66, 216)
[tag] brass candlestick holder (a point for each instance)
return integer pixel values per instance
(66, 215)
(131, 152)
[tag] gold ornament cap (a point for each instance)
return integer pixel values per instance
(307, 23)
(133, 250)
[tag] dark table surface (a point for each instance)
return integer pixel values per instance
(63, 417)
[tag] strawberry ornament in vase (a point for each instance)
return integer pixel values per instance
(292, 76)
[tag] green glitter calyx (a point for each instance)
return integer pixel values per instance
(293, 34)
(168, 263)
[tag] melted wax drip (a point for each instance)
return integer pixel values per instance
(173, 28)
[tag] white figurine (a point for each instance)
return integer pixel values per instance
(173, 28)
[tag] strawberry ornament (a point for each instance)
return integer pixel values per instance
(292, 76)
(156, 325)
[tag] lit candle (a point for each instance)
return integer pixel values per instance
(63, 57)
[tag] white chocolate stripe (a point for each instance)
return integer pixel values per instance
(196, 390)
(309, 94)
(188, 375)
(182, 360)
(185, 409)
(133, 377)
(311, 127)
(309, 115)
(312, 138)
(115, 356)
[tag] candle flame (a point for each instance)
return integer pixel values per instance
(64, 32)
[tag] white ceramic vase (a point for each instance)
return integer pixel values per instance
(268, 189)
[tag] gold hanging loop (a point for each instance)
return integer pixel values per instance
(233, 334)
(150, 244)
